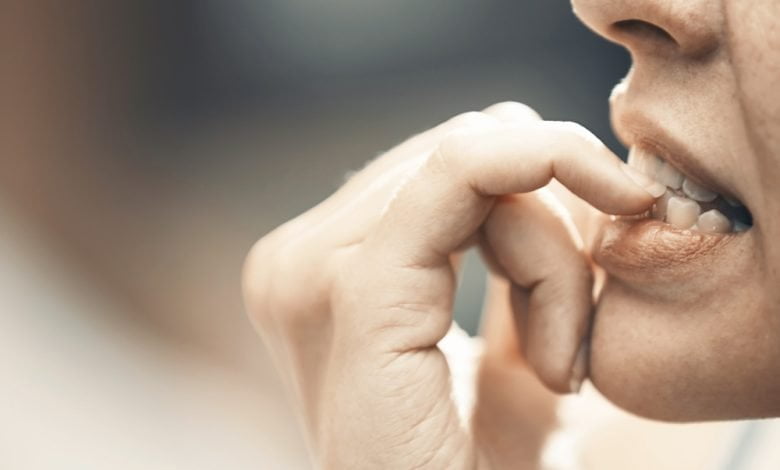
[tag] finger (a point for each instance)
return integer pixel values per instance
(365, 187)
(445, 201)
(395, 160)
(419, 145)
(425, 142)
(370, 187)
(498, 326)
(584, 216)
(552, 283)
(510, 111)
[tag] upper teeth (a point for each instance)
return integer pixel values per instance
(681, 206)
(669, 176)
(698, 192)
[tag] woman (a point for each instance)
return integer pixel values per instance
(353, 296)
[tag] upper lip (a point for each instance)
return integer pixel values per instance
(635, 128)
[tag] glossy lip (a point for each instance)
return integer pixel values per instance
(648, 251)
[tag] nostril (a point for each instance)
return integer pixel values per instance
(643, 31)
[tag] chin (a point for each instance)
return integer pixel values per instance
(686, 325)
(680, 333)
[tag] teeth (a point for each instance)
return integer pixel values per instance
(714, 222)
(654, 167)
(698, 192)
(682, 213)
(644, 161)
(687, 204)
(668, 175)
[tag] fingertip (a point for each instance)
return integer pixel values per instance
(631, 192)
(652, 187)
(556, 379)
(561, 374)
(555, 337)
(587, 167)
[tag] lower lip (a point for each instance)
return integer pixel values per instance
(650, 252)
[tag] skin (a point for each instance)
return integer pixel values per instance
(358, 345)
(709, 349)
(353, 296)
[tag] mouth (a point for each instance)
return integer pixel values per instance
(695, 223)
(688, 204)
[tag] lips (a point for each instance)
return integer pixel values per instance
(699, 223)
(650, 252)
(687, 204)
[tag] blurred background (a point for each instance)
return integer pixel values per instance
(146, 145)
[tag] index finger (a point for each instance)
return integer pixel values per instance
(449, 196)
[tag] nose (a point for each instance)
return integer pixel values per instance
(692, 28)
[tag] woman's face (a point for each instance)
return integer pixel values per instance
(688, 326)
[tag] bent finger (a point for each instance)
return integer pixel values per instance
(552, 283)
(450, 195)
(366, 190)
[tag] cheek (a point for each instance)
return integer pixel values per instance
(754, 48)
(754, 44)
(717, 359)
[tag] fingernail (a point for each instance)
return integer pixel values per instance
(653, 187)
(580, 368)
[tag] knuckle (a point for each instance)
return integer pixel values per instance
(471, 119)
(572, 128)
(512, 110)
(452, 153)
(455, 148)
(345, 292)
(576, 131)
(288, 302)
(274, 271)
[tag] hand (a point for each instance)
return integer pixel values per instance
(353, 296)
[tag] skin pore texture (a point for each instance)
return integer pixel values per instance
(688, 326)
